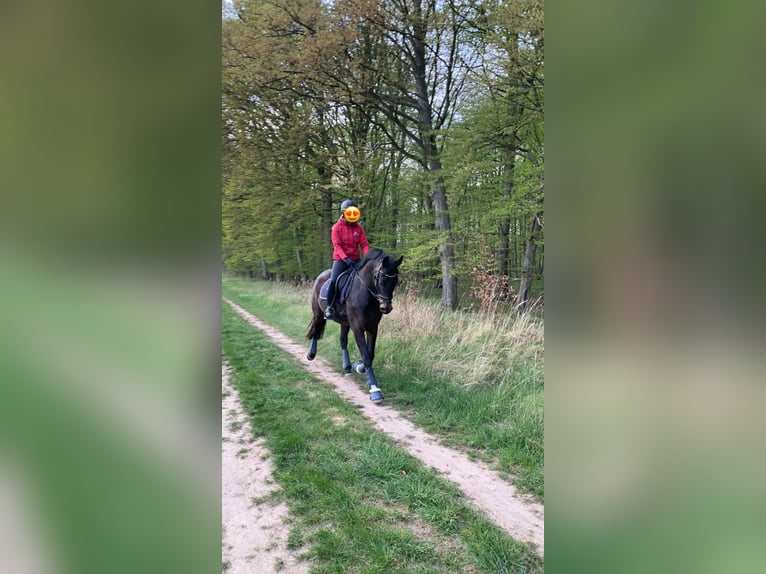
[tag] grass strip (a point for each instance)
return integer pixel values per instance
(475, 382)
(360, 504)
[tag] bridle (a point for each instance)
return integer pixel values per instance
(376, 283)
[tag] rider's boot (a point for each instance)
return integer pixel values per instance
(330, 311)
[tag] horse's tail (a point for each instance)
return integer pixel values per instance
(316, 328)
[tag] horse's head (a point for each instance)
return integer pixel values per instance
(385, 279)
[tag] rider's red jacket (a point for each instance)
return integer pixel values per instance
(347, 238)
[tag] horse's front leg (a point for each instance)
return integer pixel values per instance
(372, 337)
(344, 348)
(364, 350)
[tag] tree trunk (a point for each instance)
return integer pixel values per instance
(434, 167)
(446, 243)
(327, 223)
(502, 251)
(298, 251)
(264, 270)
(528, 269)
(514, 258)
(394, 197)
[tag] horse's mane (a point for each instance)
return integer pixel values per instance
(372, 255)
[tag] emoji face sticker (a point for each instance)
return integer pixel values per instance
(352, 214)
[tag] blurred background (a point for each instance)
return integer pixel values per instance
(655, 277)
(110, 287)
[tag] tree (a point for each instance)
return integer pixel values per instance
(421, 75)
(278, 137)
(513, 75)
(427, 112)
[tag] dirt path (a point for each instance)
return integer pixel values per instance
(254, 528)
(517, 514)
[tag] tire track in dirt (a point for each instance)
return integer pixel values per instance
(255, 528)
(516, 513)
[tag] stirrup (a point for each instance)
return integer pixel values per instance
(329, 313)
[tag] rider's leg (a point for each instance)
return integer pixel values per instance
(338, 267)
(330, 311)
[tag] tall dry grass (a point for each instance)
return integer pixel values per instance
(470, 347)
(470, 375)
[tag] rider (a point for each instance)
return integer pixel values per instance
(348, 237)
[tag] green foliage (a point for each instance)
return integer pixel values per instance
(473, 378)
(320, 104)
(354, 495)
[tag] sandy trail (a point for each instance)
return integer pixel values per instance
(254, 531)
(518, 514)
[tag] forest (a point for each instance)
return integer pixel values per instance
(428, 113)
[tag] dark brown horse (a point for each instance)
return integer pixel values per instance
(368, 298)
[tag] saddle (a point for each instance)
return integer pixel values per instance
(342, 285)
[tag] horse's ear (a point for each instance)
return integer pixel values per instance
(399, 261)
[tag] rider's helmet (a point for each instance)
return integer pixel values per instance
(350, 211)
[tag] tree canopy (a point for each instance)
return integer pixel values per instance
(428, 113)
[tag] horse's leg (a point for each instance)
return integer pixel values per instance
(372, 337)
(344, 348)
(372, 383)
(313, 338)
(316, 330)
(312, 350)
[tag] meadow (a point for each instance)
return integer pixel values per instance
(473, 378)
(358, 503)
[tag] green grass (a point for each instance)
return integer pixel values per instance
(358, 502)
(475, 381)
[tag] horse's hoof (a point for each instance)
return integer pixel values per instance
(347, 371)
(310, 356)
(375, 395)
(358, 366)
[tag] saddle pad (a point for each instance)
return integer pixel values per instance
(323, 290)
(340, 287)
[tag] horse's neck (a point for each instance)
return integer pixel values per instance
(364, 285)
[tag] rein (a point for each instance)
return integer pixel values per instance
(376, 282)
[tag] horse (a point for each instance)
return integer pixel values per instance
(368, 298)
